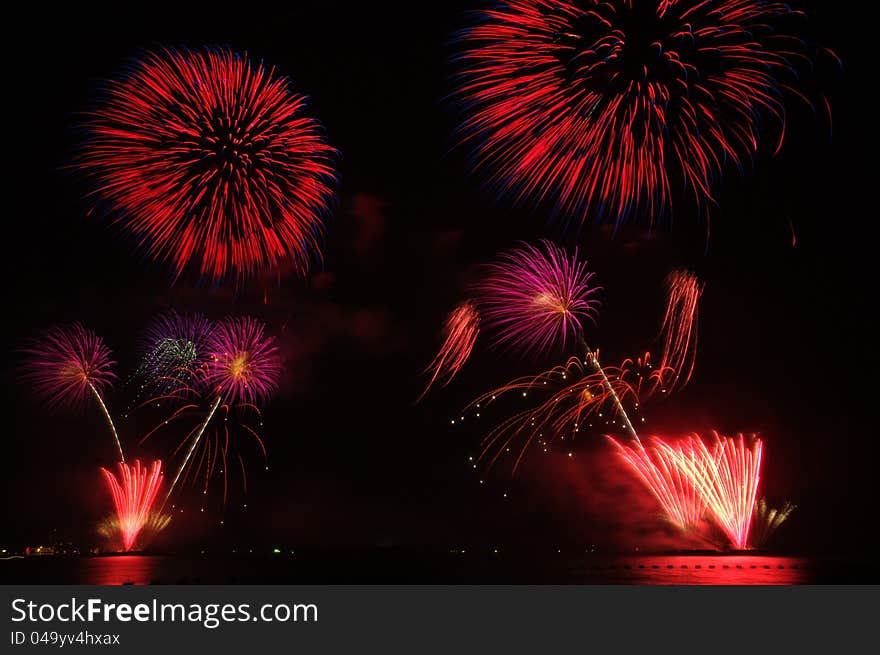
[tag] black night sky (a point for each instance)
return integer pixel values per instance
(787, 346)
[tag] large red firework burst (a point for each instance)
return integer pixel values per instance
(536, 298)
(602, 107)
(208, 160)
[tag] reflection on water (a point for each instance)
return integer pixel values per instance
(119, 569)
(699, 570)
(407, 567)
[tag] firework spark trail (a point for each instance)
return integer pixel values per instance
(202, 427)
(109, 420)
(133, 495)
(647, 379)
(576, 396)
(67, 364)
(679, 328)
(243, 367)
(601, 108)
(534, 299)
(664, 477)
(207, 159)
(768, 519)
(593, 359)
(727, 478)
(237, 414)
(460, 333)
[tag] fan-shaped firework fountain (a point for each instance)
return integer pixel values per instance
(134, 492)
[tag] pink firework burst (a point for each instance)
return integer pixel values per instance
(209, 161)
(243, 362)
(67, 364)
(242, 368)
(534, 299)
(460, 332)
(602, 108)
(134, 493)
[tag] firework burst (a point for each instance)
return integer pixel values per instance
(679, 329)
(241, 371)
(174, 347)
(68, 364)
(243, 362)
(602, 108)
(134, 493)
(460, 332)
(534, 299)
(208, 160)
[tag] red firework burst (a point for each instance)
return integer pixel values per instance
(602, 107)
(134, 493)
(207, 159)
(460, 333)
(535, 299)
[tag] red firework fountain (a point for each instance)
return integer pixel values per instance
(727, 478)
(133, 496)
(658, 468)
(689, 478)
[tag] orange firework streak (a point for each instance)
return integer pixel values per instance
(679, 329)
(133, 496)
(570, 405)
(460, 332)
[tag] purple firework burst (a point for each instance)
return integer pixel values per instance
(537, 298)
(173, 348)
(66, 364)
(243, 363)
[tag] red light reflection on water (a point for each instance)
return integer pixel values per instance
(699, 570)
(119, 569)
